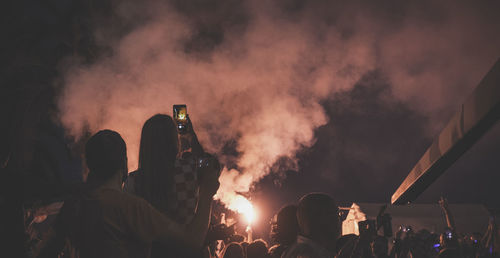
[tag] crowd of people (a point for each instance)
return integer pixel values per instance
(164, 210)
(311, 229)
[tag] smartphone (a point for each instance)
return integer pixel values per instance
(448, 234)
(180, 113)
(180, 116)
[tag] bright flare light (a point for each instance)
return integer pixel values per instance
(243, 206)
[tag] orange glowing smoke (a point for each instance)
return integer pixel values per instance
(264, 85)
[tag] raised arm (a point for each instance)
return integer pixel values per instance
(209, 184)
(196, 231)
(194, 144)
(443, 202)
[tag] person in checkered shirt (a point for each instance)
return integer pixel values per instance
(167, 176)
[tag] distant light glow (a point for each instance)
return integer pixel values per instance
(242, 205)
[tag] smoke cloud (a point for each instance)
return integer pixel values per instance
(260, 80)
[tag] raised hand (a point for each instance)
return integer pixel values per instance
(209, 177)
(443, 202)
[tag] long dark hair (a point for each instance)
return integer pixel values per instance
(157, 153)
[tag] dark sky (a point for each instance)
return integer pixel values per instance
(366, 155)
(382, 109)
(374, 138)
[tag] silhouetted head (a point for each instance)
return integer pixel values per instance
(158, 141)
(318, 218)
(234, 250)
(257, 249)
(105, 154)
(285, 227)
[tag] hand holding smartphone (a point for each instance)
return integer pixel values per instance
(181, 118)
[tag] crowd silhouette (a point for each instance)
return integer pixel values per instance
(164, 209)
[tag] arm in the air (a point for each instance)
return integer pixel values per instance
(450, 221)
(195, 144)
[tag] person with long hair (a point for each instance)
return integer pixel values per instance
(154, 179)
(167, 177)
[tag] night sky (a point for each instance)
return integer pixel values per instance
(381, 110)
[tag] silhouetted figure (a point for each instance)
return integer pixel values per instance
(257, 249)
(106, 222)
(491, 240)
(233, 250)
(319, 226)
(164, 178)
(284, 230)
(449, 239)
(154, 179)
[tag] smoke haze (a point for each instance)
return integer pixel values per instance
(258, 72)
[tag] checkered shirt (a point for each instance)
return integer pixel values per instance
(185, 188)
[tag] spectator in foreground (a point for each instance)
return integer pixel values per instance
(257, 249)
(284, 230)
(319, 226)
(105, 222)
